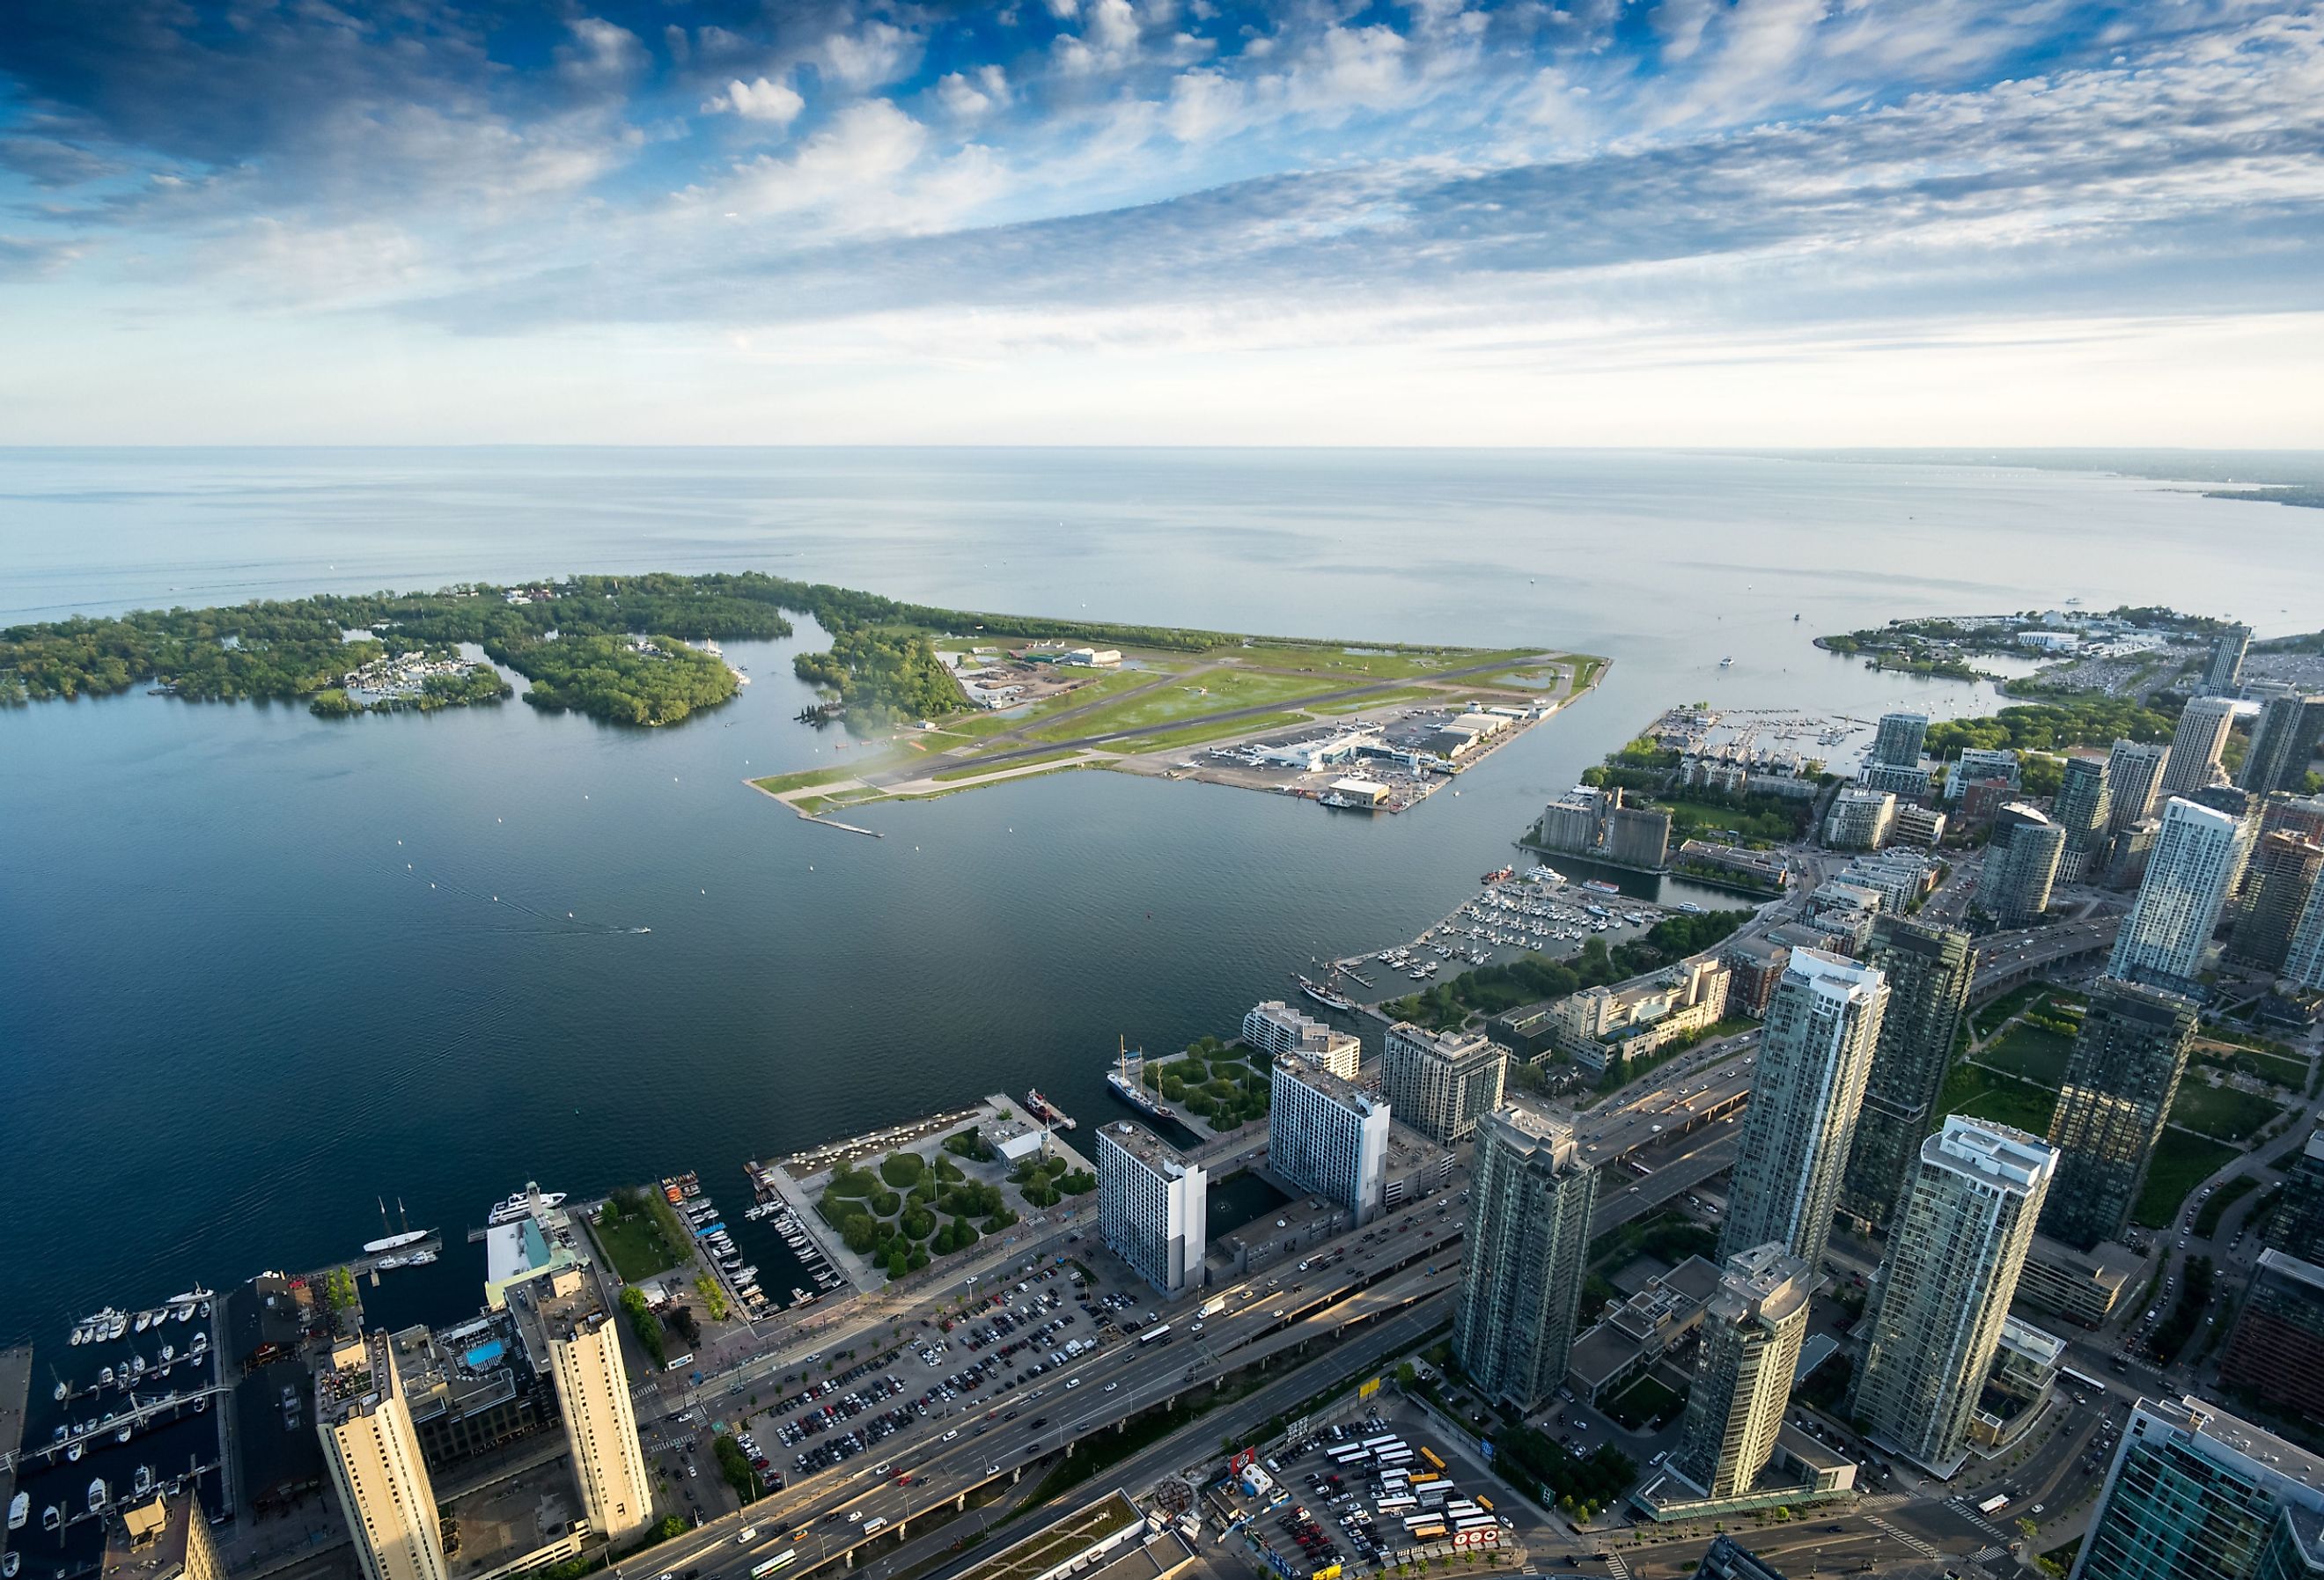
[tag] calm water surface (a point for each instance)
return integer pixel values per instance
(263, 970)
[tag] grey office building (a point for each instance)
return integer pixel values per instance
(1530, 1197)
(2282, 879)
(2225, 671)
(2195, 745)
(1898, 740)
(1441, 1084)
(2134, 772)
(2283, 743)
(2195, 1494)
(2021, 865)
(1945, 1287)
(2120, 1080)
(1928, 970)
(2080, 809)
(1815, 1051)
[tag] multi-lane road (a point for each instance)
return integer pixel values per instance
(1403, 1264)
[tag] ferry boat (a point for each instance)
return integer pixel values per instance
(1047, 1112)
(520, 1205)
(1325, 996)
(1127, 1086)
(1600, 886)
(1688, 906)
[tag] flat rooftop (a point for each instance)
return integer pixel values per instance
(1147, 1147)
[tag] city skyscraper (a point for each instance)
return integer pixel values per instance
(1945, 1285)
(1530, 1198)
(160, 1540)
(1898, 740)
(1152, 1206)
(1441, 1084)
(1815, 1052)
(373, 1453)
(2080, 809)
(1748, 1347)
(572, 1338)
(1928, 970)
(2297, 1225)
(2283, 743)
(2195, 747)
(2224, 670)
(2303, 962)
(2195, 1494)
(2134, 771)
(2021, 864)
(2198, 854)
(1326, 1137)
(2284, 876)
(2120, 1079)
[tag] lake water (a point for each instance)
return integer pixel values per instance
(264, 970)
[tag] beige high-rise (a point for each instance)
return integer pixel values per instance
(161, 1541)
(1751, 1335)
(374, 1455)
(573, 1337)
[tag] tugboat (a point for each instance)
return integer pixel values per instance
(1047, 1112)
(1499, 875)
(1127, 1086)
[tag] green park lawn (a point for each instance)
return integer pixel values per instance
(1982, 1094)
(2221, 1113)
(2032, 1053)
(2182, 1162)
(1334, 659)
(1206, 691)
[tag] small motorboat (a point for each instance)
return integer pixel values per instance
(96, 1493)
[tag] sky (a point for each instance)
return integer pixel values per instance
(1587, 222)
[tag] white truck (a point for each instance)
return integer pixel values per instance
(1213, 1306)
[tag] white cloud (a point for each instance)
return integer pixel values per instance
(776, 102)
(877, 53)
(601, 53)
(966, 96)
(1204, 104)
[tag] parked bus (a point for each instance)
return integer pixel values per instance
(1485, 1503)
(1436, 1462)
(1397, 1505)
(1390, 1440)
(760, 1571)
(1355, 1454)
(1426, 1528)
(1420, 1478)
(1401, 1457)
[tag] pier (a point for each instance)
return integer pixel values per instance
(139, 1412)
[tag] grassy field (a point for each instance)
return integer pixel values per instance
(1983, 1093)
(975, 770)
(981, 726)
(2291, 1074)
(1196, 734)
(775, 785)
(635, 1245)
(2182, 1162)
(1208, 692)
(1646, 1401)
(1334, 660)
(2032, 1053)
(2207, 1218)
(2220, 1112)
(1400, 696)
(1691, 819)
(1989, 1020)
